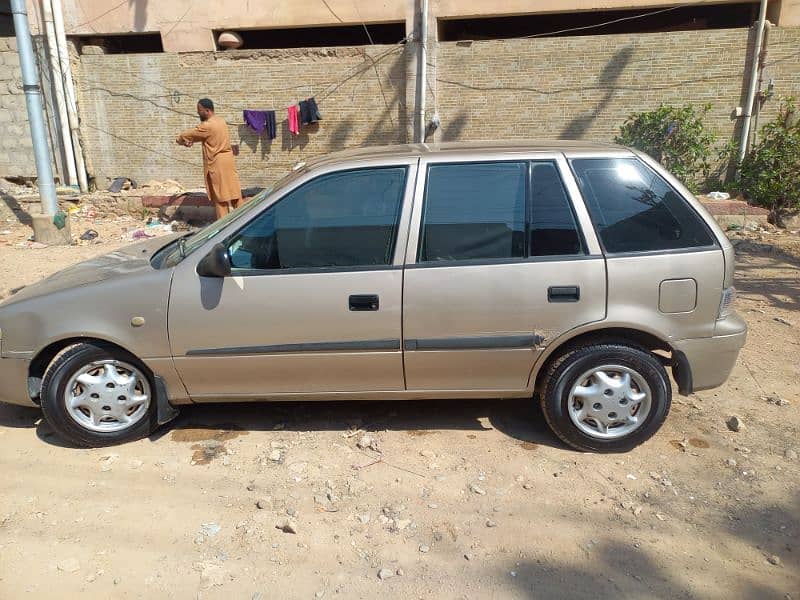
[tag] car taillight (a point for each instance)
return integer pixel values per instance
(726, 303)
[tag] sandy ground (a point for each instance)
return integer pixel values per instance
(453, 500)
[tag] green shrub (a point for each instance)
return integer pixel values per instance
(770, 174)
(675, 137)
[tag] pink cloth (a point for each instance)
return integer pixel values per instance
(294, 120)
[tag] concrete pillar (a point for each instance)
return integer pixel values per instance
(45, 231)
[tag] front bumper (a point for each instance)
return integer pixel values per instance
(712, 359)
(14, 382)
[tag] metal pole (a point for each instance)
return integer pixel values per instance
(69, 89)
(422, 71)
(33, 100)
(751, 90)
(58, 88)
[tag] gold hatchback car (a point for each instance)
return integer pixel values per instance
(570, 273)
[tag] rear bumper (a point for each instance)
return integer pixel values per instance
(14, 382)
(711, 360)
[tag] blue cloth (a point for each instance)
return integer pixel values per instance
(261, 121)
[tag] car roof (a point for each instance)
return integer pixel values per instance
(455, 148)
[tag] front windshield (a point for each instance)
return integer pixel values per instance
(191, 243)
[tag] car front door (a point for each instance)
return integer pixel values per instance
(497, 265)
(313, 303)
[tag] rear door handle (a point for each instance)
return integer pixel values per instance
(361, 302)
(563, 293)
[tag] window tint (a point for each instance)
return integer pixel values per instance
(553, 230)
(474, 211)
(343, 219)
(635, 210)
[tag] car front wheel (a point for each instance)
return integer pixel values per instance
(606, 397)
(96, 395)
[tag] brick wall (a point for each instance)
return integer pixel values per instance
(16, 149)
(584, 87)
(133, 106)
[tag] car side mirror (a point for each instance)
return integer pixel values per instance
(216, 263)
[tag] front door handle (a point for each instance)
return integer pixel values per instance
(360, 302)
(563, 293)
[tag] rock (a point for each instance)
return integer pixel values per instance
(286, 526)
(275, 456)
(731, 462)
(782, 321)
(527, 486)
(368, 443)
(476, 489)
(401, 524)
(292, 512)
(424, 549)
(777, 400)
(277, 445)
(264, 503)
(251, 487)
(490, 523)
(428, 454)
(735, 423)
(385, 573)
(400, 572)
(210, 529)
(70, 565)
(363, 519)
(468, 556)
(774, 560)
(108, 460)
(790, 454)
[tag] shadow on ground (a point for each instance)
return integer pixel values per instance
(521, 420)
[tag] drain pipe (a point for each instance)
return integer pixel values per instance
(69, 90)
(33, 100)
(422, 71)
(58, 88)
(751, 90)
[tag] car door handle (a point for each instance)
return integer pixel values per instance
(364, 302)
(563, 293)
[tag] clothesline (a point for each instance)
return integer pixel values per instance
(304, 112)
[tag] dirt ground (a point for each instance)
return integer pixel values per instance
(444, 500)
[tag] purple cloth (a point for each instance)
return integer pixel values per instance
(256, 120)
(261, 121)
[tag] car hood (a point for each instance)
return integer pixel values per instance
(120, 263)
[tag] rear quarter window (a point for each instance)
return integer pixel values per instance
(635, 210)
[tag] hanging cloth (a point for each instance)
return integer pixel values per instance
(261, 121)
(294, 119)
(309, 111)
(256, 120)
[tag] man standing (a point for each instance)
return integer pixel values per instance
(219, 168)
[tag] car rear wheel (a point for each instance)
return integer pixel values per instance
(96, 395)
(606, 398)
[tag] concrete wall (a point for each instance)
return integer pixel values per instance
(133, 106)
(583, 87)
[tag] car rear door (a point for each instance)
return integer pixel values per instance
(497, 265)
(313, 304)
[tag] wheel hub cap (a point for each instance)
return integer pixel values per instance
(609, 402)
(107, 396)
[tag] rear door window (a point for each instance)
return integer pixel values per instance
(635, 210)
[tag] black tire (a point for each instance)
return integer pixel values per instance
(54, 393)
(563, 373)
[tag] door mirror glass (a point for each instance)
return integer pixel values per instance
(216, 263)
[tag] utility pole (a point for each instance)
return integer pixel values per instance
(753, 83)
(43, 228)
(422, 71)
